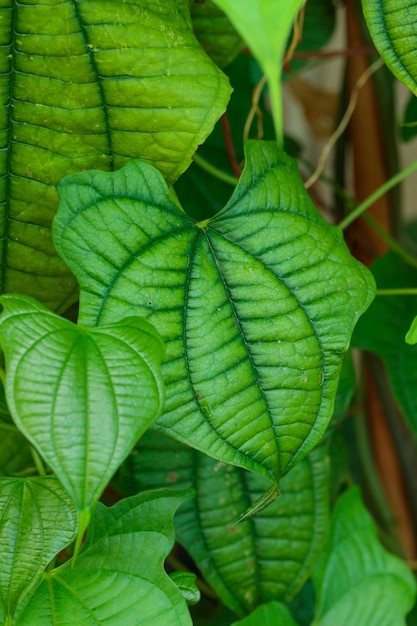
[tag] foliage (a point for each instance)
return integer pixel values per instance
(209, 370)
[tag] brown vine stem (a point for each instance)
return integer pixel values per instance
(228, 141)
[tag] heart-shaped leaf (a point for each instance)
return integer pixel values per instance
(356, 580)
(118, 577)
(93, 84)
(81, 396)
(277, 547)
(256, 306)
(392, 26)
(37, 520)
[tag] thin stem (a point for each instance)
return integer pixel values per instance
(389, 184)
(230, 149)
(274, 83)
(400, 291)
(38, 462)
(215, 171)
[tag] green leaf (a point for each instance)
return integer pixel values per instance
(265, 26)
(37, 520)
(118, 577)
(271, 614)
(357, 581)
(185, 581)
(215, 32)
(81, 396)
(93, 84)
(277, 547)
(256, 306)
(408, 128)
(392, 26)
(383, 328)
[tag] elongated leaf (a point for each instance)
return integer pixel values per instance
(357, 581)
(91, 84)
(392, 26)
(37, 520)
(119, 576)
(81, 396)
(267, 558)
(256, 306)
(383, 328)
(271, 614)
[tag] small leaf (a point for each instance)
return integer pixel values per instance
(185, 581)
(271, 614)
(37, 520)
(256, 306)
(81, 396)
(277, 547)
(118, 577)
(356, 580)
(392, 26)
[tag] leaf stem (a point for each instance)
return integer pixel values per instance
(389, 184)
(400, 291)
(274, 84)
(215, 171)
(38, 461)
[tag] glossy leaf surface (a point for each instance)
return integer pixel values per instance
(356, 580)
(81, 396)
(91, 84)
(271, 614)
(256, 306)
(37, 520)
(392, 26)
(118, 578)
(267, 557)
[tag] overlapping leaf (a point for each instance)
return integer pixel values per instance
(357, 581)
(37, 520)
(392, 26)
(266, 558)
(91, 84)
(81, 396)
(119, 576)
(271, 614)
(256, 306)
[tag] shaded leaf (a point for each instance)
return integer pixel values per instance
(383, 328)
(271, 614)
(408, 128)
(81, 396)
(256, 306)
(37, 520)
(356, 580)
(185, 581)
(392, 26)
(91, 84)
(118, 577)
(15, 455)
(268, 557)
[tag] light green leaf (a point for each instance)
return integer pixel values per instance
(93, 84)
(256, 306)
(37, 520)
(265, 25)
(118, 577)
(384, 326)
(356, 580)
(81, 396)
(276, 548)
(185, 581)
(392, 26)
(271, 614)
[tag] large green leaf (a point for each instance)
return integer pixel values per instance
(383, 328)
(392, 26)
(357, 581)
(271, 614)
(118, 578)
(90, 84)
(276, 548)
(256, 306)
(37, 520)
(81, 396)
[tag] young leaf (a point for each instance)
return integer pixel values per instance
(392, 26)
(256, 306)
(384, 326)
(277, 547)
(37, 520)
(118, 577)
(81, 396)
(356, 580)
(271, 614)
(93, 84)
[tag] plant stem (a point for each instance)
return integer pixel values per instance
(400, 291)
(274, 84)
(389, 184)
(215, 171)
(38, 462)
(394, 245)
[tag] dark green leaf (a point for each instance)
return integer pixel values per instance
(272, 614)
(409, 126)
